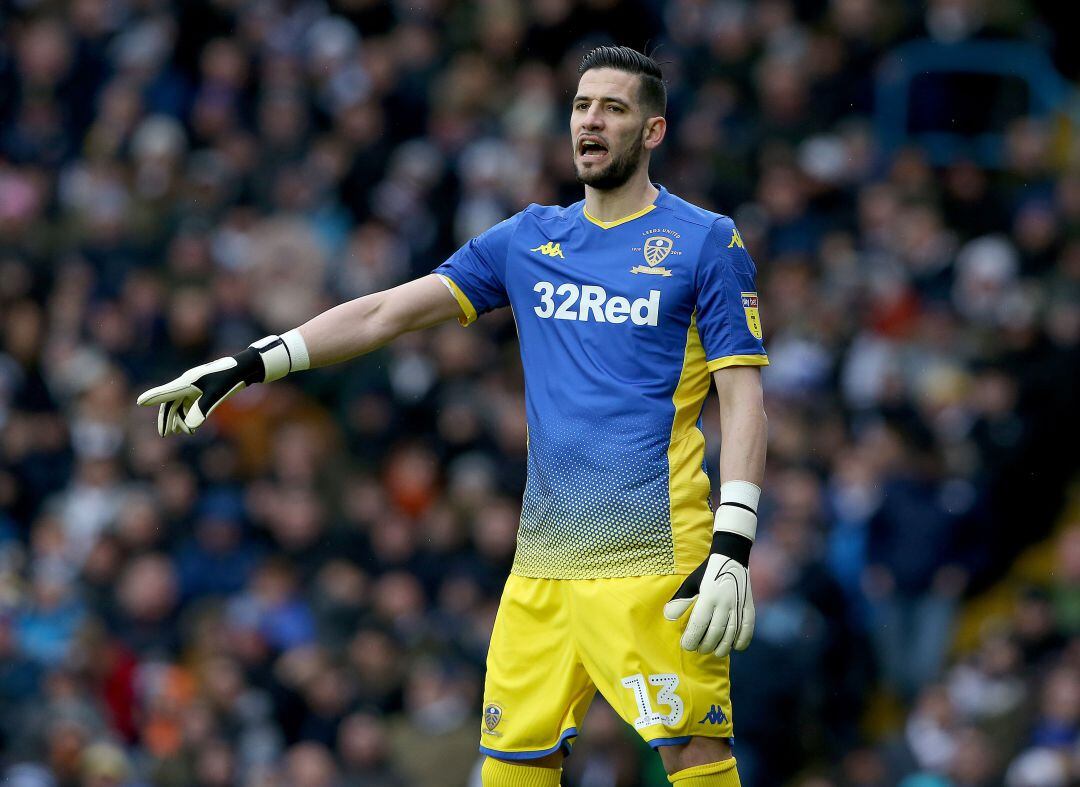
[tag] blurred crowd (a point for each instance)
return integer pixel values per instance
(300, 595)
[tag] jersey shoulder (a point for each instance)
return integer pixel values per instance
(497, 241)
(695, 215)
(720, 240)
(547, 213)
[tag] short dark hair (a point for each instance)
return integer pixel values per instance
(652, 94)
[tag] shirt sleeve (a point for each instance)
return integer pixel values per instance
(476, 273)
(727, 301)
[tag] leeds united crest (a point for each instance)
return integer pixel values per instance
(655, 251)
(492, 716)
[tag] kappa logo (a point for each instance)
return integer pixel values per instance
(714, 716)
(493, 714)
(736, 240)
(550, 249)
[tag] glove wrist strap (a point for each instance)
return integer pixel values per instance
(732, 545)
(735, 522)
(282, 354)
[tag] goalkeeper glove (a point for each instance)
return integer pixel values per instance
(188, 400)
(719, 589)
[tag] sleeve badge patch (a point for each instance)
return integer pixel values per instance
(750, 306)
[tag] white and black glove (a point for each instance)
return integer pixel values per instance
(719, 589)
(188, 400)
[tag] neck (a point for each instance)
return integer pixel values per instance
(636, 194)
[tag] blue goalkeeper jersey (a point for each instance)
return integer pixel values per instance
(620, 324)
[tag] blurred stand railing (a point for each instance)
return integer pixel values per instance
(955, 100)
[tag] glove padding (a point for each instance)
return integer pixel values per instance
(188, 400)
(723, 607)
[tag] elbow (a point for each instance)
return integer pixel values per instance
(379, 316)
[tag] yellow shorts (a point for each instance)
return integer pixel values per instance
(556, 641)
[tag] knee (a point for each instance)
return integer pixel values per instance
(697, 751)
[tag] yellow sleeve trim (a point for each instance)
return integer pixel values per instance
(468, 312)
(737, 360)
(606, 225)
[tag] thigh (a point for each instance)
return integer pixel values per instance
(536, 691)
(633, 656)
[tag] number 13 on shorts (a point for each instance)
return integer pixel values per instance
(666, 696)
(604, 634)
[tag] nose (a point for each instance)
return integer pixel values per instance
(594, 118)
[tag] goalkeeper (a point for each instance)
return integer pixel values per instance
(628, 305)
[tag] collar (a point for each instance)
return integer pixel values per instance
(606, 225)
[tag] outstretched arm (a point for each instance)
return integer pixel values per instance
(718, 591)
(345, 331)
(359, 326)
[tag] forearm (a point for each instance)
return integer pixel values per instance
(742, 451)
(347, 330)
(742, 461)
(365, 324)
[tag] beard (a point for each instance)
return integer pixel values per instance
(618, 170)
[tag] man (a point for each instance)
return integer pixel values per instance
(625, 303)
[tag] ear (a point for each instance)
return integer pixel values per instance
(654, 131)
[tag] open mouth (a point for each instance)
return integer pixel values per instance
(592, 149)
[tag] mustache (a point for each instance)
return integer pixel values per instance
(620, 167)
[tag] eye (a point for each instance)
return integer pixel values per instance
(615, 108)
(581, 105)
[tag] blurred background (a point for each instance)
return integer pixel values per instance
(301, 594)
